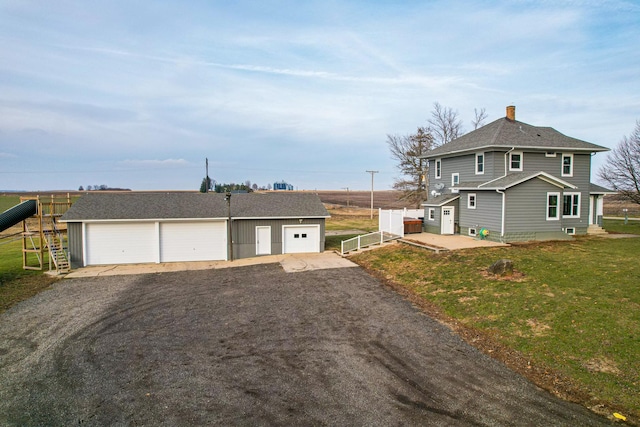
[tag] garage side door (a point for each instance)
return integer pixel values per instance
(193, 241)
(301, 239)
(120, 243)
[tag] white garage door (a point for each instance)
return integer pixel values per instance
(301, 239)
(120, 243)
(193, 241)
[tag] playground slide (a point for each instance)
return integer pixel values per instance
(17, 213)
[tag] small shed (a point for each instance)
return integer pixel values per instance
(126, 228)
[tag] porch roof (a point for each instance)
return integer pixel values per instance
(514, 179)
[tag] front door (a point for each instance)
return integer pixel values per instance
(263, 240)
(447, 221)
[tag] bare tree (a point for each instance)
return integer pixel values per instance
(445, 124)
(406, 150)
(622, 169)
(480, 117)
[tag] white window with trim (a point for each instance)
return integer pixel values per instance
(571, 205)
(438, 168)
(455, 179)
(471, 200)
(473, 232)
(567, 165)
(516, 160)
(479, 163)
(553, 206)
(431, 214)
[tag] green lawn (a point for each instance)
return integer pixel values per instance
(7, 201)
(575, 307)
(17, 284)
(618, 226)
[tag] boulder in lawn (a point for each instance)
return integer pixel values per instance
(502, 267)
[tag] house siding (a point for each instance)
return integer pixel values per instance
(244, 234)
(487, 214)
(434, 226)
(526, 213)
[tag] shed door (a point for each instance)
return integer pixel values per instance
(120, 243)
(300, 239)
(193, 241)
(447, 220)
(263, 240)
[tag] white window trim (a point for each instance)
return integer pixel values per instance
(521, 168)
(453, 176)
(473, 232)
(483, 163)
(438, 168)
(475, 200)
(572, 194)
(570, 174)
(558, 206)
(550, 154)
(570, 230)
(431, 214)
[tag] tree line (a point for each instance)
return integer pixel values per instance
(209, 185)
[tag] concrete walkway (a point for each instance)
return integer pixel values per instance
(291, 263)
(450, 242)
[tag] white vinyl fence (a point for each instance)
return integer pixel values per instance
(392, 221)
(390, 227)
(359, 242)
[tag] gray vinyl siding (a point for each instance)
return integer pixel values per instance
(434, 226)
(487, 214)
(527, 207)
(74, 233)
(493, 166)
(244, 234)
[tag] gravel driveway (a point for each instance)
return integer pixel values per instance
(251, 346)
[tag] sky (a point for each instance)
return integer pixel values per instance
(137, 94)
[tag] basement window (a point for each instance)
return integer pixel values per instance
(571, 231)
(473, 232)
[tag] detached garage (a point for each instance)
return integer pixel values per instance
(128, 228)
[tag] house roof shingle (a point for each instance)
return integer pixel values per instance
(506, 134)
(139, 206)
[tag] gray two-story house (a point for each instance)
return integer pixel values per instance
(511, 181)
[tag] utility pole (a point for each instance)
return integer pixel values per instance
(229, 227)
(206, 176)
(372, 173)
(347, 188)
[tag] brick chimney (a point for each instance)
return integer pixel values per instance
(511, 112)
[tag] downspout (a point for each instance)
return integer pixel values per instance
(504, 208)
(506, 157)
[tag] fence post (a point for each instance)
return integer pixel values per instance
(358, 242)
(381, 238)
(342, 247)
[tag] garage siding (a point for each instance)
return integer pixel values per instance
(244, 234)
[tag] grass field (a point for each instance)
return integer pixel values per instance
(17, 284)
(573, 307)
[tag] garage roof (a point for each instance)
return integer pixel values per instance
(138, 206)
